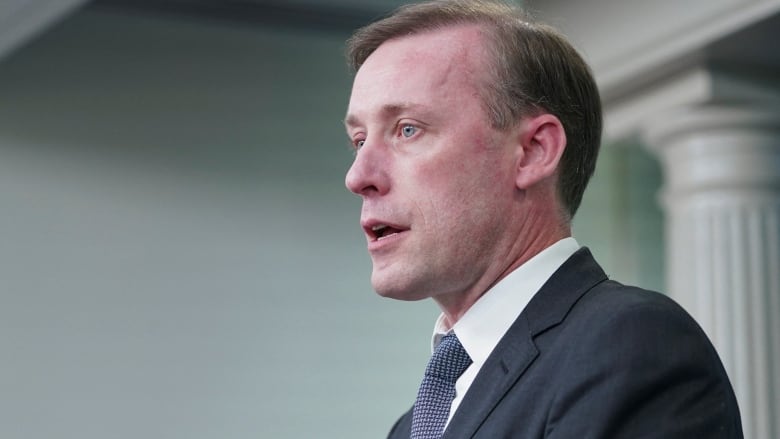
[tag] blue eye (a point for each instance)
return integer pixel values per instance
(359, 144)
(408, 130)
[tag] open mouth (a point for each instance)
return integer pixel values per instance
(382, 231)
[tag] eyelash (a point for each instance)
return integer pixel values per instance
(358, 143)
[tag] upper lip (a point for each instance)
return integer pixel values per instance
(373, 227)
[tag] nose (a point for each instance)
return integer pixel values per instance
(368, 174)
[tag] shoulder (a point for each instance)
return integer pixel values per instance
(642, 340)
(635, 336)
(632, 316)
(617, 294)
(635, 353)
(613, 301)
(402, 427)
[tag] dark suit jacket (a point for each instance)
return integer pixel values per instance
(590, 358)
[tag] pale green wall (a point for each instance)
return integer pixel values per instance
(179, 257)
(620, 218)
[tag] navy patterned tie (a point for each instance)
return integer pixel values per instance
(437, 389)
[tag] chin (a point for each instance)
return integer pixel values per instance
(396, 290)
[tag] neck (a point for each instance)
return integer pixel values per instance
(454, 306)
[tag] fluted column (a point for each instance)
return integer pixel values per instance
(722, 200)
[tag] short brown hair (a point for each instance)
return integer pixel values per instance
(535, 69)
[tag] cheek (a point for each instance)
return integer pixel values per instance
(462, 194)
(444, 184)
(467, 180)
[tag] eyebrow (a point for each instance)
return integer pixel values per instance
(388, 110)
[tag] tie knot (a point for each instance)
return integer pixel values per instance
(449, 359)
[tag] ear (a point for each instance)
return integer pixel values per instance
(542, 140)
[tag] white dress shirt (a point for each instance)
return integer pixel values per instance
(482, 326)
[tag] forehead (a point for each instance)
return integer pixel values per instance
(433, 67)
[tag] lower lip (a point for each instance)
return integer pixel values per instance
(384, 243)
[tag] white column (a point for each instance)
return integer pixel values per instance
(722, 202)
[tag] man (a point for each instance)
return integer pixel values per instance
(475, 133)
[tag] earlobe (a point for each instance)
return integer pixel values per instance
(541, 142)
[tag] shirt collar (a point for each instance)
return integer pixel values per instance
(483, 325)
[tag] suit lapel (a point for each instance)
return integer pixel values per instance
(516, 350)
(502, 369)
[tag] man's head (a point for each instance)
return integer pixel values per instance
(531, 68)
(460, 119)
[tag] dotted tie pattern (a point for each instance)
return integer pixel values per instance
(437, 389)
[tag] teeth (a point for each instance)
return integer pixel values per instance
(380, 231)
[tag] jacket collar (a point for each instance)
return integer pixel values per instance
(517, 351)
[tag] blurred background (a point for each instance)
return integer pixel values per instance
(179, 257)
